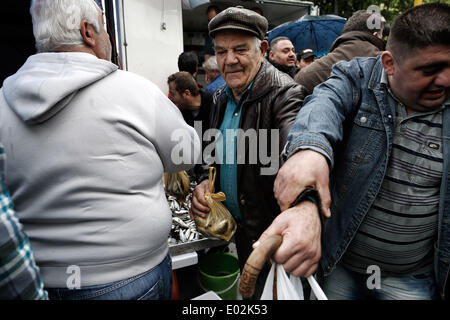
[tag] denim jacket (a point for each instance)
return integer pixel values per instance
(350, 120)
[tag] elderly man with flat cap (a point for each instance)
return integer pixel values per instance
(253, 114)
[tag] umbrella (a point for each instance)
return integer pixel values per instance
(191, 4)
(314, 32)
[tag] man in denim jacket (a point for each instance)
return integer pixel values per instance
(373, 140)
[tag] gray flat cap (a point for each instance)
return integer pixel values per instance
(239, 19)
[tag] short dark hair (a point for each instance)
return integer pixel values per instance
(419, 27)
(276, 40)
(212, 7)
(188, 61)
(359, 22)
(184, 81)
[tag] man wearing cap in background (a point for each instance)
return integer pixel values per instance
(257, 98)
(305, 58)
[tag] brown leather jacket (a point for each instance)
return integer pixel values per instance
(346, 47)
(272, 103)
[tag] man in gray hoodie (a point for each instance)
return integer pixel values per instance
(87, 146)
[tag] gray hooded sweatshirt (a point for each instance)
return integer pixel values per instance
(86, 147)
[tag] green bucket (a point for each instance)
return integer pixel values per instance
(219, 272)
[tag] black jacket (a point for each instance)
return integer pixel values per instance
(272, 103)
(203, 114)
(291, 71)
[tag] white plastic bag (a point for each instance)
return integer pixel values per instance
(288, 288)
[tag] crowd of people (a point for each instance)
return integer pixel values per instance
(354, 174)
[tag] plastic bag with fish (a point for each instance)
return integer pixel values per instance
(219, 222)
(177, 184)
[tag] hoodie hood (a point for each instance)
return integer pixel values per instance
(360, 36)
(47, 82)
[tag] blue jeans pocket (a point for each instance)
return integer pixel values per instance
(153, 293)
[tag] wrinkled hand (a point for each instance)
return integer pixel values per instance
(306, 168)
(300, 228)
(199, 206)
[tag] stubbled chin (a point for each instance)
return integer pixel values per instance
(232, 76)
(430, 104)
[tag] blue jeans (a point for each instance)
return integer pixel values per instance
(155, 284)
(343, 284)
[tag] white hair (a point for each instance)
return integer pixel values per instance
(56, 23)
(257, 43)
(211, 64)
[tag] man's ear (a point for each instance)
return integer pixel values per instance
(88, 33)
(388, 61)
(378, 34)
(187, 92)
(264, 47)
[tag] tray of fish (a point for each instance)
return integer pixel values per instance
(183, 228)
(184, 236)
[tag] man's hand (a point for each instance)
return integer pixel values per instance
(199, 206)
(300, 228)
(306, 168)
